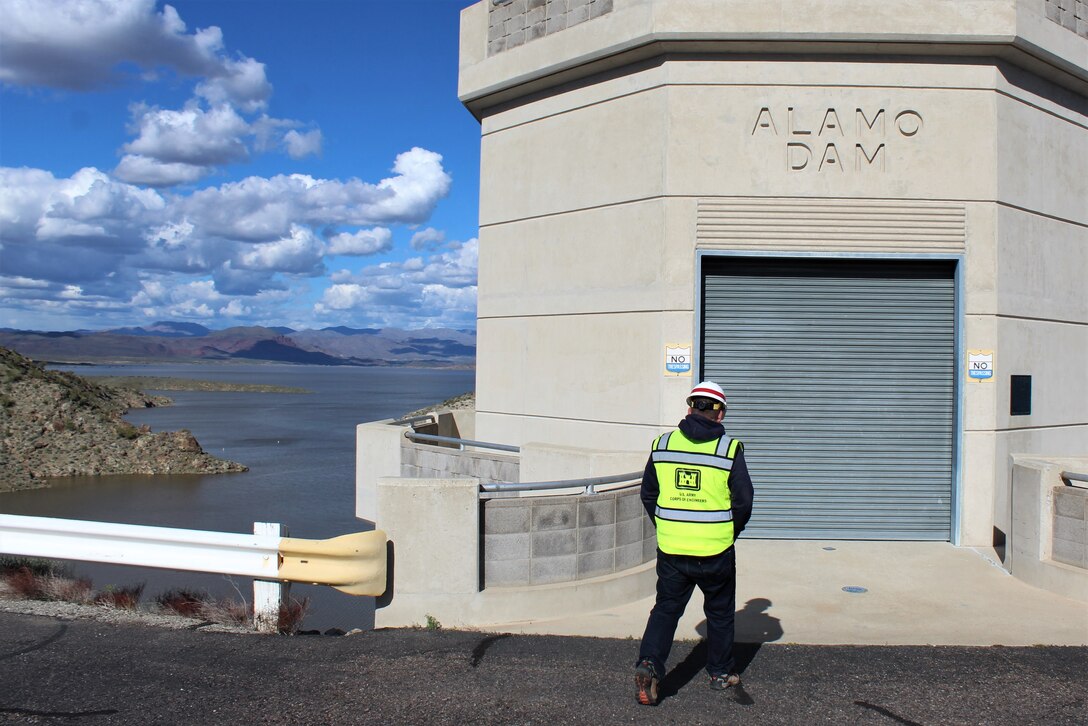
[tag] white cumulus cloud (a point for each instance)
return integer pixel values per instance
(87, 209)
(181, 146)
(82, 44)
(239, 82)
(191, 135)
(419, 183)
(363, 242)
(439, 290)
(262, 209)
(299, 253)
(154, 173)
(102, 244)
(90, 243)
(427, 239)
(302, 145)
(235, 309)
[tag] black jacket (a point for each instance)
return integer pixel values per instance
(699, 428)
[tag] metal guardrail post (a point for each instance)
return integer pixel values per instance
(269, 595)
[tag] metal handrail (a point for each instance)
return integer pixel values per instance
(1070, 476)
(588, 484)
(413, 436)
(412, 420)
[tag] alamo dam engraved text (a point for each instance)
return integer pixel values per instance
(820, 141)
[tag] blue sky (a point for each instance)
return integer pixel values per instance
(235, 162)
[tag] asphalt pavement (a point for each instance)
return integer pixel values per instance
(59, 670)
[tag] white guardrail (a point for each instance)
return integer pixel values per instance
(353, 563)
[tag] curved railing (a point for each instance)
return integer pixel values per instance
(588, 484)
(1071, 476)
(414, 436)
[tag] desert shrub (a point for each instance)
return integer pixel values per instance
(122, 598)
(194, 604)
(228, 612)
(126, 430)
(24, 582)
(37, 579)
(291, 615)
(68, 589)
(35, 565)
(184, 602)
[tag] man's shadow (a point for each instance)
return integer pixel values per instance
(753, 627)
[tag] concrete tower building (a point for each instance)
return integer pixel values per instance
(868, 221)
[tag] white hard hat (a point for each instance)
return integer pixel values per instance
(707, 389)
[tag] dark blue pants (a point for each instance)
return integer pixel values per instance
(677, 576)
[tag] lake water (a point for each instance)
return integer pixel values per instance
(300, 450)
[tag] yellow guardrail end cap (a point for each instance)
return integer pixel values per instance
(352, 563)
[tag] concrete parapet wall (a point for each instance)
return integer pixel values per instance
(1048, 526)
(433, 525)
(552, 462)
(434, 529)
(548, 539)
(377, 454)
(381, 449)
(418, 460)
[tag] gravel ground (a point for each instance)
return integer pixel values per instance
(110, 615)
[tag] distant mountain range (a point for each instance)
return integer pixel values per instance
(174, 341)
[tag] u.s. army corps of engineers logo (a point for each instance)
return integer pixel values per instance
(687, 479)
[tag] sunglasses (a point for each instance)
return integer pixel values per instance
(705, 404)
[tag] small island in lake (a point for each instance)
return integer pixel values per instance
(55, 424)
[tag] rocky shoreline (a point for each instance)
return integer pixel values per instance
(55, 424)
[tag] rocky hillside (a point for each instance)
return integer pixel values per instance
(59, 424)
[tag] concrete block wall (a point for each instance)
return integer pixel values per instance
(423, 461)
(1070, 544)
(1070, 14)
(1047, 548)
(549, 539)
(444, 582)
(511, 23)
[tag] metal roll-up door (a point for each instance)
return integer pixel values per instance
(840, 376)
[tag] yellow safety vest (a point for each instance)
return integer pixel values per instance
(694, 508)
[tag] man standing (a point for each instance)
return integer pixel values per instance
(697, 491)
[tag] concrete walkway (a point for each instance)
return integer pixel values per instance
(916, 593)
